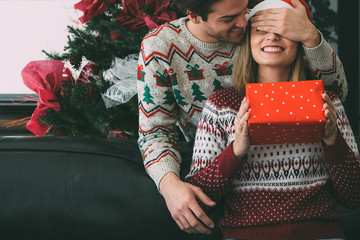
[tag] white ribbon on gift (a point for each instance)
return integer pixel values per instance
(123, 73)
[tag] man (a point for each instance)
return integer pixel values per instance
(182, 62)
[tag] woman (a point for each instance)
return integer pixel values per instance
(268, 191)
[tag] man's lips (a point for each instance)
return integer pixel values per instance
(236, 29)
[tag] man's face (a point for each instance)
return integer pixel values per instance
(225, 22)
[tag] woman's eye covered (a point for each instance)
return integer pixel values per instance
(260, 31)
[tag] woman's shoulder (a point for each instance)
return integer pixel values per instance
(225, 98)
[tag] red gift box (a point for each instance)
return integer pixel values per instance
(285, 112)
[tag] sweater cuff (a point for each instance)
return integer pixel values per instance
(321, 43)
(159, 170)
(320, 54)
(336, 151)
(230, 164)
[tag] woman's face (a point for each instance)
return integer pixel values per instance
(270, 49)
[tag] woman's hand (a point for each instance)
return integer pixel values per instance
(241, 145)
(331, 130)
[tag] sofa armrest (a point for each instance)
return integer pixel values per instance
(69, 188)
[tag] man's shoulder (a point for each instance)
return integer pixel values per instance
(163, 33)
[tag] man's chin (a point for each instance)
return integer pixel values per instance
(238, 39)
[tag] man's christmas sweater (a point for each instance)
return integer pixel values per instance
(177, 73)
(278, 191)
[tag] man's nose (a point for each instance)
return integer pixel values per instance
(241, 21)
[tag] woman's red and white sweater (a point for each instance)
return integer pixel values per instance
(287, 191)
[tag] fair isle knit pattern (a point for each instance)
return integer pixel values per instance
(277, 189)
(177, 73)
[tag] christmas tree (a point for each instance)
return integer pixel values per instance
(103, 54)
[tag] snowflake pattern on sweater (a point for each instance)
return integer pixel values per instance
(177, 73)
(288, 184)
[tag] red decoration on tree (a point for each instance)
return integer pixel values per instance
(86, 74)
(92, 8)
(44, 78)
(134, 18)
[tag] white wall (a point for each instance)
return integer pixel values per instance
(27, 28)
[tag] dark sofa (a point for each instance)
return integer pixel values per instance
(76, 188)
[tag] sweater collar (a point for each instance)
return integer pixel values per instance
(195, 41)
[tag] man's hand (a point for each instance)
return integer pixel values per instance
(180, 198)
(289, 23)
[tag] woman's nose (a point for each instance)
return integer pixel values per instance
(272, 36)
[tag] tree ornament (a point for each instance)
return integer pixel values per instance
(75, 60)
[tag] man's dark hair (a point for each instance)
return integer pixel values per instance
(198, 7)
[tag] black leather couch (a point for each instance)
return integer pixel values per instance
(73, 188)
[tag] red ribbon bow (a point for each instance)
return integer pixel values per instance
(44, 78)
(92, 8)
(134, 18)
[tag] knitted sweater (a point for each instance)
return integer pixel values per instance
(278, 192)
(177, 73)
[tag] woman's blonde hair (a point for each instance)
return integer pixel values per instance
(245, 70)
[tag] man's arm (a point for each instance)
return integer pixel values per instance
(157, 142)
(295, 25)
(157, 119)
